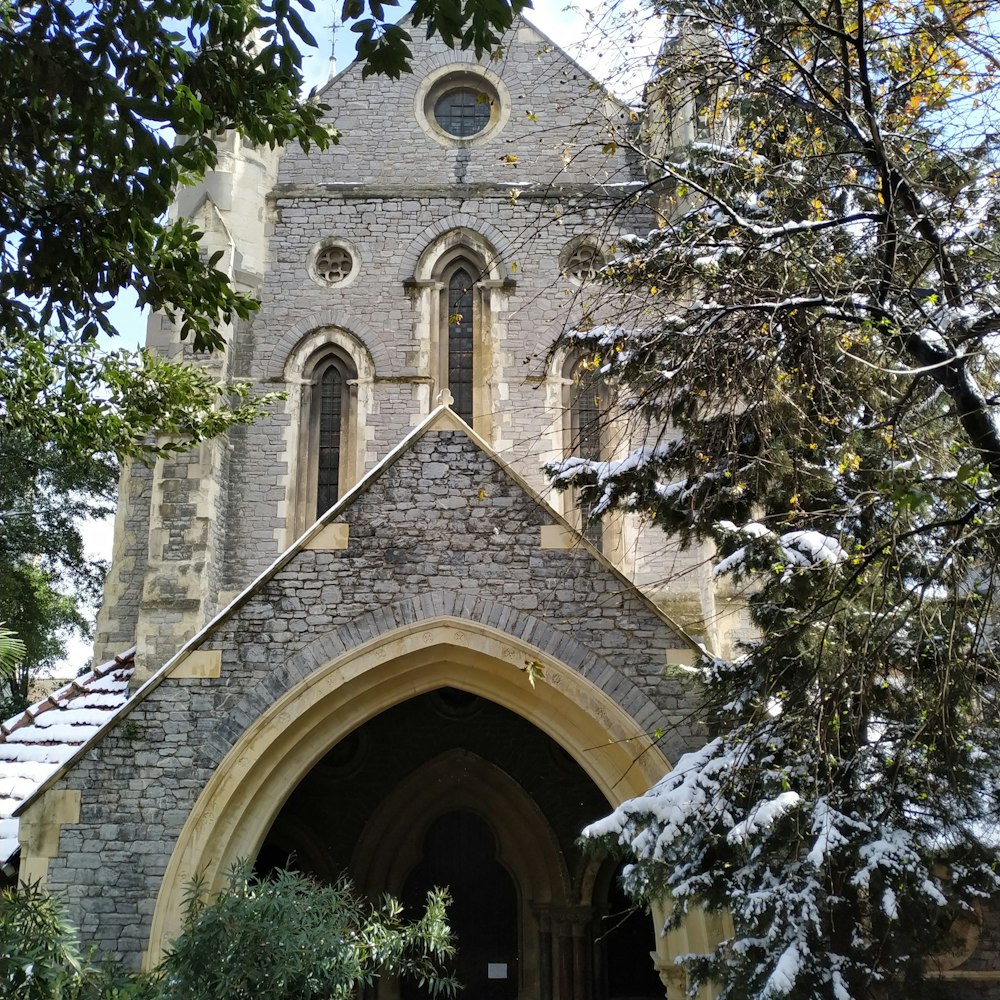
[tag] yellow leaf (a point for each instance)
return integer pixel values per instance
(850, 461)
(534, 669)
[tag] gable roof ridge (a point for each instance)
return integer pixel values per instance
(406, 20)
(441, 417)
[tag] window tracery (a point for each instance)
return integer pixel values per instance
(333, 265)
(584, 262)
(460, 341)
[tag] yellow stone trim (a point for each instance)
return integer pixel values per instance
(556, 536)
(39, 829)
(330, 538)
(198, 663)
(684, 657)
(241, 799)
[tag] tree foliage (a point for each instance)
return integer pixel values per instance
(40, 957)
(46, 578)
(11, 650)
(107, 108)
(291, 939)
(810, 371)
(285, 939)
(382, 44)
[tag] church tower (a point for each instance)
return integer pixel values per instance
(444, 243)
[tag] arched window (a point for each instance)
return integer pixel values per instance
(460, 340)
(331, 396)
(586, 410)
(328, 376)
(459, 337)
(460, 296)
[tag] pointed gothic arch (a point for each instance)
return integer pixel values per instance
(395, 843)
(331, 408)
(247, 790)
(460, 334)
(238, 804)
(461, 297)
(329, 374)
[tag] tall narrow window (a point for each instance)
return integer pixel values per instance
(460, 341)
(329, 429)
(461, 286)
(587, 404)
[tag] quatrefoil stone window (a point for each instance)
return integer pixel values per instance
(583, 262)
(333, 265)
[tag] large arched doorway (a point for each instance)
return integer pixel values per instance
(280, 746)
(451, 789)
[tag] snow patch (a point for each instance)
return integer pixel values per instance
(763, 815)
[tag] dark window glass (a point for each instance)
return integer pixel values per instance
(463, 112)
(331, 422)
(586, 417)
(460, 342)
(585, 422)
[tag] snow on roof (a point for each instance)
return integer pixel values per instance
(36, 742)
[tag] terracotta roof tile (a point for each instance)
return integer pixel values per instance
(34, 743)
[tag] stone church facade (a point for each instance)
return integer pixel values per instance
(364, 638)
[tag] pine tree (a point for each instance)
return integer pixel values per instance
(809, 366)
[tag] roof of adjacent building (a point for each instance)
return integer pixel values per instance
(35, 743)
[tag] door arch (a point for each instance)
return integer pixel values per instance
(246, 792)
(394, 840)
(459, 851)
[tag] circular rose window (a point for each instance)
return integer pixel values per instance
(463, 112)
(461, 105)
(582, 262)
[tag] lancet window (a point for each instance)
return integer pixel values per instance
(329, 428)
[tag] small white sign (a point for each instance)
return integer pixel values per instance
(496, 970)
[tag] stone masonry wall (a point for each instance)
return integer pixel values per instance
(548, 177)
(443, 530)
